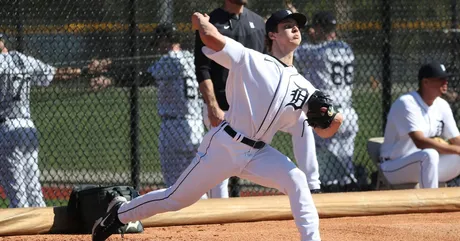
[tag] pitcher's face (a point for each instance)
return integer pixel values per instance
(289, 33)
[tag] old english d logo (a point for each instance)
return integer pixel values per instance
(299, 97)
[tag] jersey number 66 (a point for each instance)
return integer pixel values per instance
(342, 73)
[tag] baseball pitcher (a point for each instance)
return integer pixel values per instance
(266, 94)
(328, 64)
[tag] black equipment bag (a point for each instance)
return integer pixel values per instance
(87, 203)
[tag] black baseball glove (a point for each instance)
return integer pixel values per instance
(320, 111)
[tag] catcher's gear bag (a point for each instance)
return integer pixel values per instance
(320, 112)
(89, 202)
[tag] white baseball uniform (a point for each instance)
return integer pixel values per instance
(402, 161)
(329, 67)
(264, 96)
(19, 173)
(179, 105)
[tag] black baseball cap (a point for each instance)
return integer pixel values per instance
(433, 70)
(325, 20)
(277, 17)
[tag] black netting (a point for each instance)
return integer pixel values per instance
(98, 121)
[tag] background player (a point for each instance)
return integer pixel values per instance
(328, 64)
(408, 153)
(178, 102)
(19, 171)
(265, 93)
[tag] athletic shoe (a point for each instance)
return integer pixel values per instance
(109, 223)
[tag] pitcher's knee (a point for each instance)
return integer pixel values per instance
(431, 156)
(296, 180)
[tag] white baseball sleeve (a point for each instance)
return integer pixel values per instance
(231, 55)
(41, 74)
(404, 115)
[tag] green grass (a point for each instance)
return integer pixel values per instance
(82, 130)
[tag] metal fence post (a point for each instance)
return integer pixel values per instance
(386, 60)
(455, 38)
(20, 27)
(134, 95)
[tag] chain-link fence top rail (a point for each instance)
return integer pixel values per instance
(113, 135)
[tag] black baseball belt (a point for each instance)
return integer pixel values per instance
(245, 140)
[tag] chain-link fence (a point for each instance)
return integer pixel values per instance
(105, 94)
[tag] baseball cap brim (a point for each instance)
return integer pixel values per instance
(446, 75)
(433, 70)
(299, 18)
(282, 15)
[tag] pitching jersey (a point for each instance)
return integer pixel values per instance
(410, 113)
(18, 73)
(264, 94)
(329, 67)
(178, 94)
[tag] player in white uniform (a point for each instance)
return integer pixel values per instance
(265, 94)
(19, 173)
(179, 104)
(246, 30)
(409, 154)
(328, 64)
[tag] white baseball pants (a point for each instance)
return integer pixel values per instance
(219, 157)
(19, 173)
(426, 167)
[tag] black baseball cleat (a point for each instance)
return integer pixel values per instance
(109, 223)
